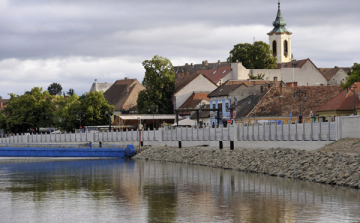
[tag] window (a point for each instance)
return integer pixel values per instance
(214, 72)
(227, 106)
(220, 107)
(274, 47)
(285, 48)
(224, 71)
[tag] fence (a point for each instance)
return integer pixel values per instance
(314, 131)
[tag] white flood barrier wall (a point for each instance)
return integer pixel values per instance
(342, 127)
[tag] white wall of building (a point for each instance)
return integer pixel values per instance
(200, 83)
(339, 76)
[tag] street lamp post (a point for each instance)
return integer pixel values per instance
(299, 93)
(140, 127)
(80, 117)
(353, 90)
(153, 108)
(108, 113)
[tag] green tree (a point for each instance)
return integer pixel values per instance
(71, 92)
(67, 112)
(354, 76)
(55, 89)
(2, 120)
(34, 109)
(257, 77)
(159, 81)
(95, 110)
(253, 56)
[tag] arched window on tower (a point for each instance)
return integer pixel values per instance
(274, 47)
(285, 48)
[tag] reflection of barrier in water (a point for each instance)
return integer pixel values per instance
(63, 150)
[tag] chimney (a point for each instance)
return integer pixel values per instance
(95, 88)
(186, 64)
(126, 78)
(206, 63)
(219, 63)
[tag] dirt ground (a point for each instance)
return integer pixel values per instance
(347, 145)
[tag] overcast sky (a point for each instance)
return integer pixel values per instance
(73, 42)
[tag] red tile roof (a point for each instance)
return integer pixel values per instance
(298, 64)
(184, 79)
(328, 73)
(231, 85)
(215, 75)
(3, 103)
(121, 91)
(194, 100)
(273, 105)
(344, 101)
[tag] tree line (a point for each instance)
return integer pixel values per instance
(38, 108)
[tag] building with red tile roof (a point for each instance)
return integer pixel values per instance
(186, 85)
(343, 104)
(281, 103)
(335, 75)
(196, 100)
(3, 103)
(123, 95)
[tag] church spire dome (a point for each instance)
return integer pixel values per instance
(279, 23)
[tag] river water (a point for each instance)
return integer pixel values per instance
(145, 191)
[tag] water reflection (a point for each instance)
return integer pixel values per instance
(145, 191)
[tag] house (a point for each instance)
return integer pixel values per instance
(100, 86)
(345, 103)
(3, 103)
(232, 91)
(196, 100)
(285, 104)
(186, 85)
(123, 95)
(336, 75)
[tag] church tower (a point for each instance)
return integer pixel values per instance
(280, 39)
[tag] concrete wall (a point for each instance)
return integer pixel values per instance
(348, 127)
(265, 135)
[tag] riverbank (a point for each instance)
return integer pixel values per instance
(321, 166)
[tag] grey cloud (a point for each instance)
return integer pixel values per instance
(184, 31)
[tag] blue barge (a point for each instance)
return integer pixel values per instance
(64, 151)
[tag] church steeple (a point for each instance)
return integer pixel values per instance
(279, 23)
(280, 39)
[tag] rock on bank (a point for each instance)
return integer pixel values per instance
(316, 166)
